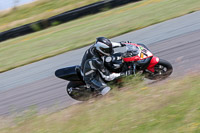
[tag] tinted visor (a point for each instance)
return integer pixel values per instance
(107, 50)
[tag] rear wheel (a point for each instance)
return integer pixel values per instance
(78, 91)
(162, 70)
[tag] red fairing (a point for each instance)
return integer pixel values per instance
(129, 59)
(153, 62)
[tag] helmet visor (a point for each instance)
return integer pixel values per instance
(106, 50)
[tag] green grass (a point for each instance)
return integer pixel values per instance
(171, 107)
(38, 10)
(83, 31)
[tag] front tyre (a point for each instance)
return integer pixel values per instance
(162, 70)
(78, 91)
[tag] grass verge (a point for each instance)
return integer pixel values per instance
(165, 108)
(41, 9)
(83, 31)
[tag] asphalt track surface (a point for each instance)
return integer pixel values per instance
(34, 86)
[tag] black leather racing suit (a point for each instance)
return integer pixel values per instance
(94, 70)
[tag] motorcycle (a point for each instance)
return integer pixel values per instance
(136, 58)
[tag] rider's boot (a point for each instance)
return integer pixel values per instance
(105, 90)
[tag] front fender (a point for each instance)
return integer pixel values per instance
(152, 63)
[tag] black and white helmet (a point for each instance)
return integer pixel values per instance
(104, 46)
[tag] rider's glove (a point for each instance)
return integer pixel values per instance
(115, 75)
(111, 76)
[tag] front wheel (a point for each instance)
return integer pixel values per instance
(78, 91)
(162, 70)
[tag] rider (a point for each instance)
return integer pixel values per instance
(93, 67)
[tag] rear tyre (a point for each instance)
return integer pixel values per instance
(162, 70)
(78, 91)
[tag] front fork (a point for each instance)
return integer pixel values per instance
(150, 67)
(131, 67)
(134, 68)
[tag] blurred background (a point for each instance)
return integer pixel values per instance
(7, 4)
(32, 34)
